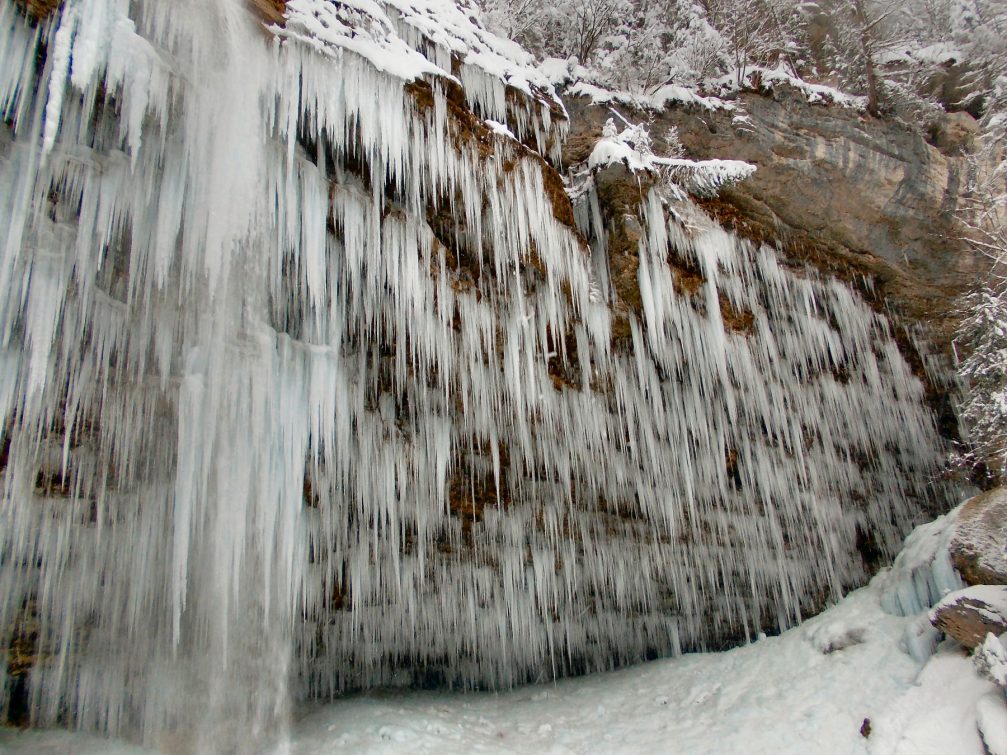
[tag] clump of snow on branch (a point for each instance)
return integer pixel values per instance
(632, 148)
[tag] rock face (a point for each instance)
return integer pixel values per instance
(271, 11)
(838, 188)
(979, 543)
(969, 615)
(38, 10)
(867, 200)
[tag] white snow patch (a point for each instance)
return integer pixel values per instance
(991, 716)
(663, 98)
(992, 600)
(769, 78)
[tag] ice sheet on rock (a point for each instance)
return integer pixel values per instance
(923, 574)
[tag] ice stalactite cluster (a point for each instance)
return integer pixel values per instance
(308, 382)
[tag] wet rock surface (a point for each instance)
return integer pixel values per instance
(980, 539)
(852, 194)
(38, 10)
(969, 615)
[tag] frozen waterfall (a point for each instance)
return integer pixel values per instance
(308, 382)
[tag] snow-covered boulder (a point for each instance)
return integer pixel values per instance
(979, 541)
(969, 615)
(990, 659)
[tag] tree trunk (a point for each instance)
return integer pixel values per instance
(867, 51)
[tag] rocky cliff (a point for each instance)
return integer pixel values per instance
(835, 187)
(873, 202)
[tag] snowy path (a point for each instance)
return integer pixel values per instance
(781, 695)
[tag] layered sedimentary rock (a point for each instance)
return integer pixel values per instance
(969, 615)
(979, 545)
(313, 378)
(836, 187)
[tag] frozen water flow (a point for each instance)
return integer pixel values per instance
(304, 386)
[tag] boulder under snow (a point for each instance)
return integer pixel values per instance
(979, 542)
(969, 615)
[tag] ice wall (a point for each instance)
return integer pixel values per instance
(307, 382)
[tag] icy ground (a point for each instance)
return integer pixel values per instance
(806, 691)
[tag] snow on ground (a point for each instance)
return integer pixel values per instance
(809, 690)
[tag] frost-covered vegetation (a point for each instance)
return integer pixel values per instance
(915, 56)
(982, 338)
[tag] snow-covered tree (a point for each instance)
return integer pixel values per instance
(699, 52)
(631, 45)
(982, 336)
(653, 42)
(515, 19)
(979, 30)
(761, 32)
(635, 53)
(565, 28)
(849, 40)
(910, 58)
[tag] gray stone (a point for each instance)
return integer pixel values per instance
(834, 187)
(979, 543)
(969, 615)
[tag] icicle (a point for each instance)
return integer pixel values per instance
(300, 380)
